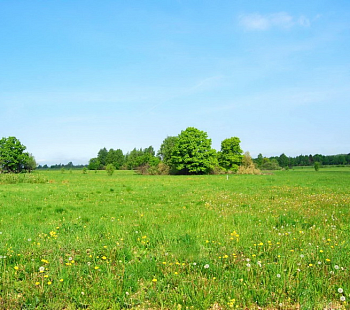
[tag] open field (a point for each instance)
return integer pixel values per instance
(95, 241)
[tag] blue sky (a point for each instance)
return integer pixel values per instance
(77, 76)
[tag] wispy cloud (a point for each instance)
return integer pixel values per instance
(256, 21)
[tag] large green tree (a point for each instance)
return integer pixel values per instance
(230, 156)
(166, 149)
(12, 155)
(192, 153)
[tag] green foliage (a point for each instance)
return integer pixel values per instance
(30, 163)
(12, 156)
(139, 157)
(94, 164)
(317, 166)
(85, 170)
(270, 164)
(283, 160)
(110, 169)
(192, 153)
(230, 156)
(166, 149)
(116, 158)
(259, 160)
(102, 156)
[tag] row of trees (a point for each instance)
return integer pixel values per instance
(68, 166)
(188, 153)
(283, 161)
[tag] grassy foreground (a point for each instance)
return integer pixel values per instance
(93, 241)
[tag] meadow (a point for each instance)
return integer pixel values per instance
(92, 241)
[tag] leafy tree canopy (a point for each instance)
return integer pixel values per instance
(192, 153)
(166, 149)
(12, 155)
(230, 156)
(116, 158)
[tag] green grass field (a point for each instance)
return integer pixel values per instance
(127, 241)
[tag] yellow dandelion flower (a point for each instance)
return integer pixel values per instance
(104, 257)
(49, 283)
(154, 280)
(96, 267)
(16, 267)
(37, 283)
(61, 280)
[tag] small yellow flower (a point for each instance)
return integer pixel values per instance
(46, 276)
(154, 280)
(61, 280)
(104, 257)
(96, 267)
(16, 267)
(37, 283)
(310, 265)
(321, 251)
(49, 283)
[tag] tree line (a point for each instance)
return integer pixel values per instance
(190, 152)
(283, 161)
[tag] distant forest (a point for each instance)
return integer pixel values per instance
(190, 153)
(137, 157)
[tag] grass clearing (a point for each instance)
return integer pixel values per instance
(95, 241)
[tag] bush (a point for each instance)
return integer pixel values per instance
(110, 169)
(248, 166)
(160, 169)
(219, 170)
(270, 165)
(317, 166)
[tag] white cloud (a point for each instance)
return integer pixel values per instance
(256, 21)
